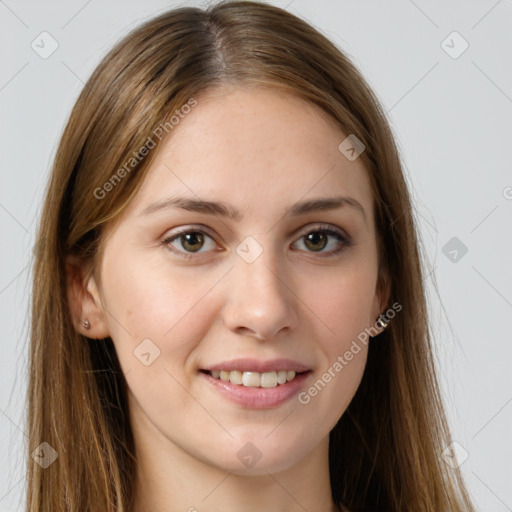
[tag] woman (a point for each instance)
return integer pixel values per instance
(228, 308)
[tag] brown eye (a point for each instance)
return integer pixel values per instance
(192, 241)
(189, 242)
(316, 241)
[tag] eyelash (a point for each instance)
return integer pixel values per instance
(345, 242)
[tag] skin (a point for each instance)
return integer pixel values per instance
(260, 151)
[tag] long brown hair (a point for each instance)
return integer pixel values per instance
(385, 451)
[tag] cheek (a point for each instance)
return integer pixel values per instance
(344, 377)
(157, 319)
(172, 309)
(343, 303)
(327, 397)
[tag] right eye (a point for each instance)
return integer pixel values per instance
(191, 242)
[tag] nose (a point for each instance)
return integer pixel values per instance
(262, 302)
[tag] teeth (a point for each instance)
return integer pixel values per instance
(255, 379)
(281, 376)
(251, 379)
(268, 380)
(235, 377)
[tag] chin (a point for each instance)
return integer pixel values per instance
(260, 456)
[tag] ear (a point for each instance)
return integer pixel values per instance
(381, 299)
(84, 300)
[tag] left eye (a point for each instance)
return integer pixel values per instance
(318, 239)
(315, 241)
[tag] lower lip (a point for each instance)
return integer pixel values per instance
(258, 398)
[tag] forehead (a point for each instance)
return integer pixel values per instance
(252, 148)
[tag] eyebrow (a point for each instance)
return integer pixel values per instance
(225, 210)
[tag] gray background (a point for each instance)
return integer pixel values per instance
(452, 120)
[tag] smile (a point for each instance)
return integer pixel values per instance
(254, 379)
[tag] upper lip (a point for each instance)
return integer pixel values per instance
(256, 365)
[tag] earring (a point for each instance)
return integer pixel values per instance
(87, 325)
(381, 319)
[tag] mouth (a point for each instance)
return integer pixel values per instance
(256, 390)
(254, 383)
(254, 379)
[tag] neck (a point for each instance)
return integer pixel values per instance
(171, 479)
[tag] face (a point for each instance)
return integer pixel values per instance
(257, 286)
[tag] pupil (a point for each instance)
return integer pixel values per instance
(191, 239)
(314, 237)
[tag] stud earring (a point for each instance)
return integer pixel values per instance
(381, 319)
(87, 325)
